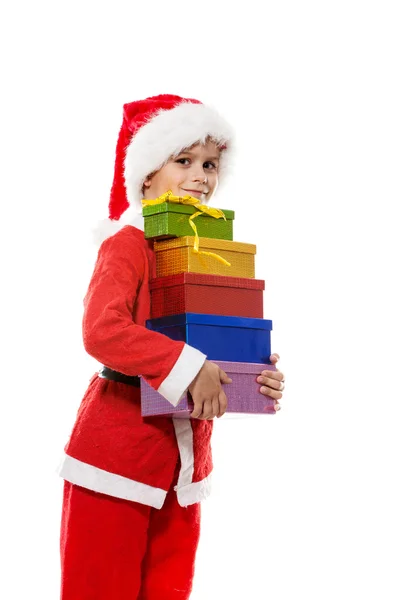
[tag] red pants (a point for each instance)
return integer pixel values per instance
(113, 549)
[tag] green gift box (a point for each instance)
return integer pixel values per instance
(169, 220)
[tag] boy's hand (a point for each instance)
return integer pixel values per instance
(273, 382)
(206, 390)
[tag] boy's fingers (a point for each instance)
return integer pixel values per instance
(215, 407)
(198, 408)
(207, 410)
(271, 393)
(223, 403)
(275, 384)
(274, 357)
(224, 378)
(197, 411)
(274, 375)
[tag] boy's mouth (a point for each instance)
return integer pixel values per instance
(195, 193)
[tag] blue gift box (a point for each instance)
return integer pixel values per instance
(236, 339)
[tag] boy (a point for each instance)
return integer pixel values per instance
(131, 509)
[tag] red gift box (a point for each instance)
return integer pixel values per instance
(206, 294)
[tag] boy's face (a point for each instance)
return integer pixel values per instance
(194, 172)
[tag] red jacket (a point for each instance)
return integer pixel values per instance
(112, 448)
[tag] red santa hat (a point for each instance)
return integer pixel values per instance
(152, 131)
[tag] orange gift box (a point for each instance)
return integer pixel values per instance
(178, 256)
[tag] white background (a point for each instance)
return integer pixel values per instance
(305, 503)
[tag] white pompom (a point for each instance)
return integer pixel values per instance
(104, 229)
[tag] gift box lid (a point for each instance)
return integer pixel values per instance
(204, 319)
(213, 244)
(184, 209)
(244, 368)
(204, 279)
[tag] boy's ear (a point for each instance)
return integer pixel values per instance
(147, 182)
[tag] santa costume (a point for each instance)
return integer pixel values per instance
(131, 512)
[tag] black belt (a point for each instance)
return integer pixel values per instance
(107, 373)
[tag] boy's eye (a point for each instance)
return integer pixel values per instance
(210, 165)
(182, 161)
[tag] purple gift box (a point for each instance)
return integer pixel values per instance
(243, 393)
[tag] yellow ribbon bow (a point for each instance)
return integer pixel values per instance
(189, 200)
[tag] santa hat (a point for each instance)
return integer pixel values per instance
(152, 131)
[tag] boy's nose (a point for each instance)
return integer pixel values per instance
(200, 177)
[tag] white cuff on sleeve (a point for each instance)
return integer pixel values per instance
(182, 374)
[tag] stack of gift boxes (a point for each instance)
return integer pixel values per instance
(215, 308)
